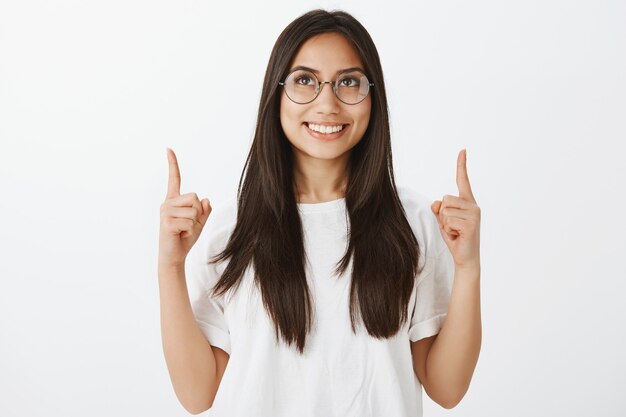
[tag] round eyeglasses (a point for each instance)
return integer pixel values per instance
(302, 86)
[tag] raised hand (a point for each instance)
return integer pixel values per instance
(459, 219)
(182, 219)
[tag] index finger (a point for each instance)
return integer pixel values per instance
(173, 182)
(462, 180)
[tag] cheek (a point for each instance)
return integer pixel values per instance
(288, 114)
(369, 108)
(289, 120)
(364, 116)
(282, 112)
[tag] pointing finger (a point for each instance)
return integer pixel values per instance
(173, 182)
(462, 180)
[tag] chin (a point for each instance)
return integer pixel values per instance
(325, 154)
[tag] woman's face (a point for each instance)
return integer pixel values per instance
(327, 53)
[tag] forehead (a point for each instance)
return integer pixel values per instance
(328, 53)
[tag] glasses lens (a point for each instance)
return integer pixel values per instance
(352, 87)
(301, 86)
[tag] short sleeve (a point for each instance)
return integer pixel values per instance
(433, 285)
(209, 310)
(433, 290)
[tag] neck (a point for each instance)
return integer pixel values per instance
(319, 180)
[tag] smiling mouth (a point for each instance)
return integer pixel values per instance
(325, 129)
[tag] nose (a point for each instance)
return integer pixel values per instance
(326, 100)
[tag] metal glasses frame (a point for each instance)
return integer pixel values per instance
(320, 85)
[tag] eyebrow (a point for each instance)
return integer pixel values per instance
(302, 67)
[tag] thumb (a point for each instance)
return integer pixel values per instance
(435, 206)
(206, 209)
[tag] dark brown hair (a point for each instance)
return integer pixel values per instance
(268, 232)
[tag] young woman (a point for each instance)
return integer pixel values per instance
(328, 291)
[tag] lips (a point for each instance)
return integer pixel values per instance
(325, 128)
(326, 136)
(326, 123)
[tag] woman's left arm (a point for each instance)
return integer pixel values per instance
(445, 363)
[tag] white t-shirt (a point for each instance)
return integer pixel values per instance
(340, 374)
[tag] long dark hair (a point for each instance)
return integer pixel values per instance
(268, 233)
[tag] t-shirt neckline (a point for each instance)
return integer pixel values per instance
(323, 206)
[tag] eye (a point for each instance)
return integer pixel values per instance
(304, 79)
(349, 81)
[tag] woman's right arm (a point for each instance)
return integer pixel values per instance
(190, 359)
(194, 369)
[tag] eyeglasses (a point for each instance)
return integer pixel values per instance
(302, 86)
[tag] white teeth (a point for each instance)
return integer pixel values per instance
(325, 129)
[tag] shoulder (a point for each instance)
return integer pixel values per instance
(413, 200)
(422, 219)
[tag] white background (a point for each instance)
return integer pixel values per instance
(91, 93)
